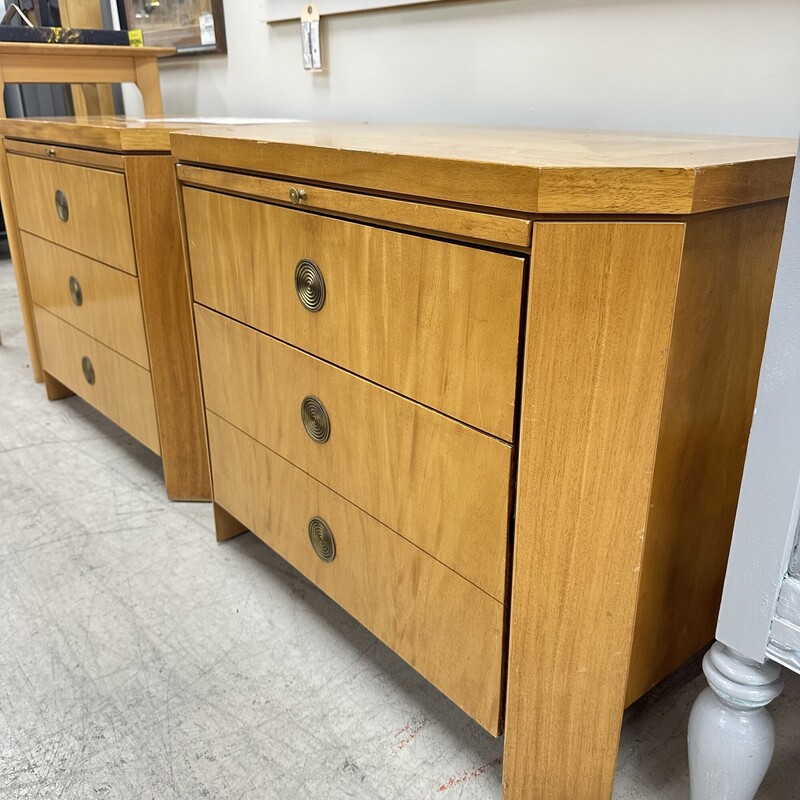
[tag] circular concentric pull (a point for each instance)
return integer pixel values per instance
(315, 419)
(75, 291)
(50, 152)
(88, 370)
(297, 196)
(321, 539)
(309, 285)
(62, 206)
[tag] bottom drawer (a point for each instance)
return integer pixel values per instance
(121, 390)
(444, 626)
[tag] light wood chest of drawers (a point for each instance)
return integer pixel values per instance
(490, 390)
(102, 280)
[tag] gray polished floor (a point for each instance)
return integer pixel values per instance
(139, 659)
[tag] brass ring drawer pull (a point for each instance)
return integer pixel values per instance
(297, 196)
(75, 291)
(315, 419)
(321, 539)
(62, 206)
(88, 370)
(309, 285)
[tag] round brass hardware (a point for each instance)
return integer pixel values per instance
(75, 291)
(309, 285)
(62, 206)
(315, 419)
(321, 539)
(297, 196)
(88, 370)
(50, 152)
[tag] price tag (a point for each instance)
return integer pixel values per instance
(309, 32)
(207, 32)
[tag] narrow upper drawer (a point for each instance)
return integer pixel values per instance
(446, 628)
(81, 208)
(115, 386)
(437, 482)
(435, 321)
(101, 301)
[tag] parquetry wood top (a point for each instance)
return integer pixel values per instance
(519, 169)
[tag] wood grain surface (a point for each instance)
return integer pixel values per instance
(718, 335)
(459, 223)
(441, 485)
(599, 318)
(519, 169)
(69, 155)
(101, 133)
(446, 628)
(99, 224)
(122, 389)
(168, 319)
(86, 65)
(111, 311)
(434, 321)
(113, 134)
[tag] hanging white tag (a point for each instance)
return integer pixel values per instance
(207, 33)
(309, 31)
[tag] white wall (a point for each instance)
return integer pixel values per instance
(726, 66)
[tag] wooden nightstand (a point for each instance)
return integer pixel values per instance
(103, 282)
(490, 390)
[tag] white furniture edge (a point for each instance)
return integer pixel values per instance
(731, 733)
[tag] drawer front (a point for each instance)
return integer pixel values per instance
(446, 628)
(81, 208)
(121, 390)
(438, 483)
(98, 299)
(434, 321)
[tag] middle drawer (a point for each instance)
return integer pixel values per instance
(437, 322)
(438, 483)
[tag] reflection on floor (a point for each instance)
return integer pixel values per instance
(139, 659)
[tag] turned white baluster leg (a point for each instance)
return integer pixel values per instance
(731, 732)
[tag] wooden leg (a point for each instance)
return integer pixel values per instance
(227, 526)
(149, 85)
(55, 389)
(731, 732)
(86, 100)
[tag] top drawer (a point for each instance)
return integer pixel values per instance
(435, 321)
(81, 208)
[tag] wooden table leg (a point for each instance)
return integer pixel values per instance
(148, 82)
(601, 305)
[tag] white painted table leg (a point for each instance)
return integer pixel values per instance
(731, 733)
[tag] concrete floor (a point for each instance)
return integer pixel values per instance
(140, 659)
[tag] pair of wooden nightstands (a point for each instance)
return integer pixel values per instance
(488, 389)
